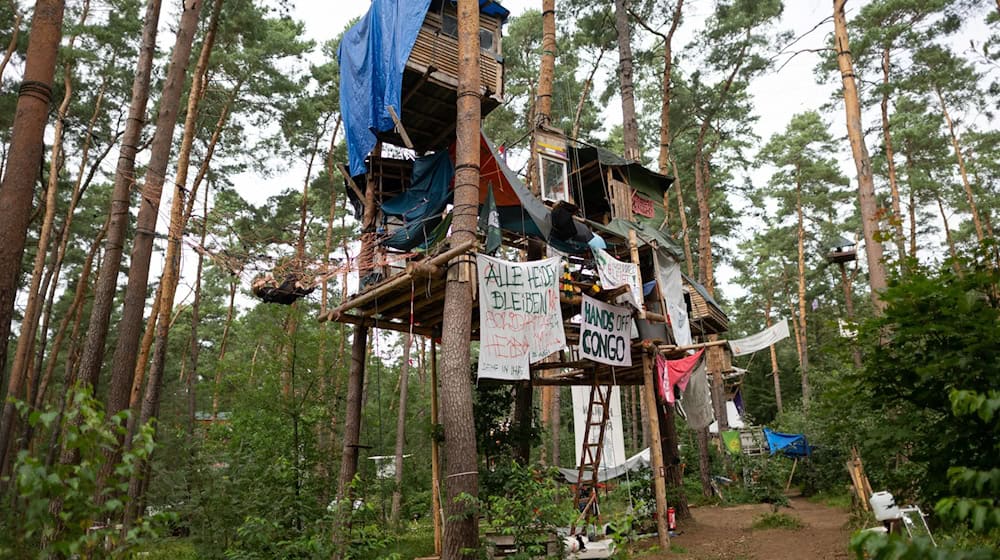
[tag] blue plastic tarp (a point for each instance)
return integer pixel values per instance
(490, 8)
(790, 445)
(372, 57)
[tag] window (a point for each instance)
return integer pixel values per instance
(555, 186)
(449, 27)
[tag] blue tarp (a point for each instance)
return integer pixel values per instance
(790, 445)
(421, 205)
(372, 56)
(490, 8)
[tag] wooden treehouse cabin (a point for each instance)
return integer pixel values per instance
(430, 77)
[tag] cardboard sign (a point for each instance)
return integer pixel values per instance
(605, 333)
(615, 273)
(520, 321)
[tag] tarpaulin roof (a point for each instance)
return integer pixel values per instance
(644, 234)
(791, 445)
(372, 57)
(421, 205)
(638, 461)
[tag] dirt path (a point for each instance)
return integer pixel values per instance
(724, 533)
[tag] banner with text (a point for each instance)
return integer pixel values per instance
(615, 273)
(605, 333)
(761, 340)
(520, 321)
(613, 450)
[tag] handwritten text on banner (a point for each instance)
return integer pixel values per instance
(614, 273)
(605, 333)
(520, 321)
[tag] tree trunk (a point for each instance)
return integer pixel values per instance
(630, 127)
(634, 420)
(36, 290)
(18, 184)
(123, 367)
(587, 85)
(913, 203)
(92, 356)
(142, 249)
(704, 469)
(866, 183)
(547, 65)
(672, 459)
(554, 424)
(217, 386)
(461, 533)
(359, 344)
(775, 373)
(804, 347)
(11, 47)
(947, 235)
(404, 383)
(897, 213)
(195, 349)
(845, 281)
(682, 211)
(969, 196)
(668, 67)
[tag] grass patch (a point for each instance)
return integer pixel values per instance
(837, 500)
(677, 548)
(777, 521)
(165, 549)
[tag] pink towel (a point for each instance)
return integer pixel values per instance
(675, 372)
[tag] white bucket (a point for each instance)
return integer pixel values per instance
(884, 506)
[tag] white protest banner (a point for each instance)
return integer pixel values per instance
(520, 321)
(615, 273)
(613, 450)
(605, 333)
(761, 340)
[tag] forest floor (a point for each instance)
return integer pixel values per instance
(727, 533)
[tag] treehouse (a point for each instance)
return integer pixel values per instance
(841, 251)
(399, 74)
(430, 77)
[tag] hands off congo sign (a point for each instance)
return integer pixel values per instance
(605, 333)
(520, 321)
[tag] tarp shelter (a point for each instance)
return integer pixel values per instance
(790, 445)
(421, 206)
(638, 461)
(373, 55)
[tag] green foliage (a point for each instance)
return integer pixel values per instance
(764, 480)
(777, 520)
(44, 487)
(530, 508)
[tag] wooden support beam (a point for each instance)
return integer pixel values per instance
(399, 127)
(697, 346)
(350, 181)
(416, 87)
(422, 330)
(656, 453)
(392, 284)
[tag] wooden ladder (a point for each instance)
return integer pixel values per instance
(590, 456)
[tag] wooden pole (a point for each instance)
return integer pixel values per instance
(655, 453)
(436, 511)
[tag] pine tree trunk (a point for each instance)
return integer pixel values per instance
(554, 424)
(11, 47)
(804, 346)
(547, 65)
(125, 356)
(682, 211)
(404, 383)
(584, 94)
(774, 355)
(704, 468)
(359, 344)
(223, 346)
(461, 532)
(845, 281)
(897, 213)
(672, 459)
(630, 127)
(866, 183)
(126, 351)
(18, 184)
(668, 67)
(947, 235)
(92, 356)
(969, 196)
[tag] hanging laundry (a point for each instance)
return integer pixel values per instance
(675, 372)
(696, 399)
(731, 439)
